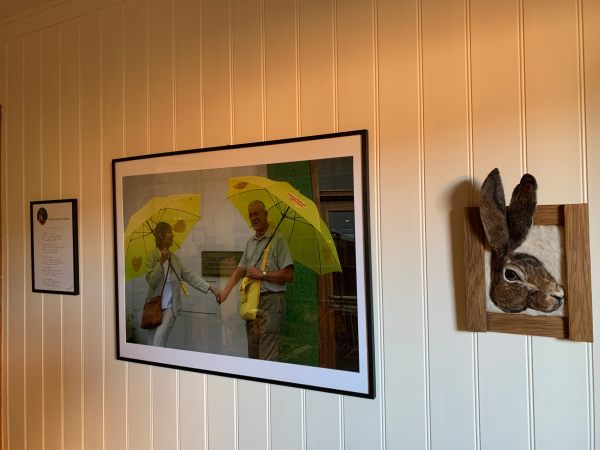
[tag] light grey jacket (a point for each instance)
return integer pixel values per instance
(155, 276)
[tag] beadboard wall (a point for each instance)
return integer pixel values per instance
(448, 90)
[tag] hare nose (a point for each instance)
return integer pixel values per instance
(559, 293)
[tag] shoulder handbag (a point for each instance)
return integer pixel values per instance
(152, 315)
(250, 291)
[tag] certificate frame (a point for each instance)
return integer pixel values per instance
(54, 246)
(217, 345)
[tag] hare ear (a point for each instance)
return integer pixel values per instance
(521, 210)
(492, 210)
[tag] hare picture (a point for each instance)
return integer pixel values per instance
(518, 280)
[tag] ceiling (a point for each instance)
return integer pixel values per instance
(18, 8)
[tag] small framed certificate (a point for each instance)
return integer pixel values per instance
(54, 247)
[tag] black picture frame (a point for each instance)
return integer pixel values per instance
(54, 246)
(327, 342)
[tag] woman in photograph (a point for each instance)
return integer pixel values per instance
(160, 263)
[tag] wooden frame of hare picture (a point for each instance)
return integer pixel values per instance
(527, 266)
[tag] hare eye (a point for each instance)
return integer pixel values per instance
(511, 275)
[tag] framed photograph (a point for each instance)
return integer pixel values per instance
(258, 255)
(54, 247)
(559, 239)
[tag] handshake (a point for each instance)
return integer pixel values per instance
(238, 274)
(217, 294)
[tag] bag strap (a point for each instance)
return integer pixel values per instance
(265, 255)
(166, 276)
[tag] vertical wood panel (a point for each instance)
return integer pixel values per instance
(139, 398)
(287, 427)
(221, 400)
(316, 67)
(70, 188)
(362, 419)
(15, 228)
(216, 95)
(50, 176)
(33, 191)
(160, 75)
(323, 421)
(247, 69)
(551, 82)
(115, 372)
(254, 429)
(192, 418)
(497, 142)
(221, 410)
(446, 163)
(91, 235)
(164, 408)
(320, 416)
(400, 164)
(554, 150)
(136, 77)
(188, 119)
(161, 138)
(188, 113)
(562, 360)
(280, 68)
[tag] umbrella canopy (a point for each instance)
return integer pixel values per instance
(181, 211)
(294, 215)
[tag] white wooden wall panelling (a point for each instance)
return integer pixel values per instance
(281, 68)
(554, 150)
(553, 142)
(322, 412)
(280, 96)
(135, 15)
(188, 128)
(591, 55)
(357, 93)
(15, 227)
(253, 408)
(115, 372)
(165, 399)
(221, 400)
(215, 69)
(61, 11)
(316, 67)
(92, 226)
(188, 119)
(71, 188)
(139, 387)
(51, 189)
(446, 141)
(401, 165)
(498, 141)
(247, 70)
(160, 75)
(33, 301)
(430, 367)
(187, 76)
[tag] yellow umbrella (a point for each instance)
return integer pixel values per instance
(294, 215)
(181, 211)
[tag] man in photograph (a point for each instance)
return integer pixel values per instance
(264, 332)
